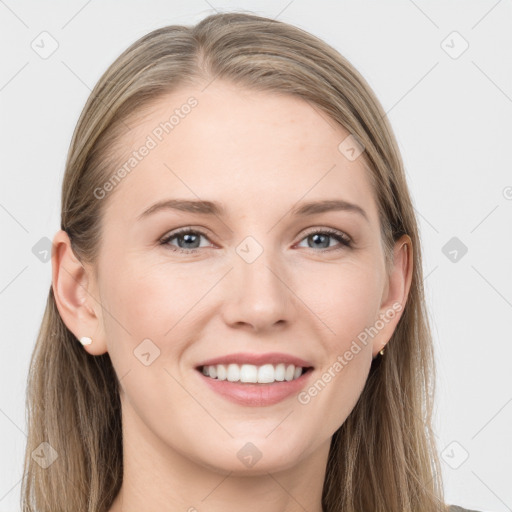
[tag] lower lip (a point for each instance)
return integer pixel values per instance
(256, 395)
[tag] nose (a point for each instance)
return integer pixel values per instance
(257, 295)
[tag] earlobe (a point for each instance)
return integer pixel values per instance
(72, 289)
(398, 286)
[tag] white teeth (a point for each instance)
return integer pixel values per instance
(222, 372)
(264, 374)
(233, 372)
(248, 373)
(279, 373)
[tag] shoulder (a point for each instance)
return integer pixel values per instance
(456, 508)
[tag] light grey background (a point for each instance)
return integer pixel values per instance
(451, 115)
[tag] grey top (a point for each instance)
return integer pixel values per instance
(456, 508)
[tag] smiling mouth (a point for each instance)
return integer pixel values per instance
(252, 374)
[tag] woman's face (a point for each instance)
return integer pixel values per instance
(250, 279)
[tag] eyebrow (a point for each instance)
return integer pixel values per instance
(214, 208)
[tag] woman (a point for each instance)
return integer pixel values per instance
(285, 361)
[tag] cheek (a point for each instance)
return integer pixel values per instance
(153, 301)
(148, 307)
(344, 298)
(350, 306)
(347, 303)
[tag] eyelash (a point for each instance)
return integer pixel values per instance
(344, 240)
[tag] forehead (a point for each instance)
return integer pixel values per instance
(245, 149)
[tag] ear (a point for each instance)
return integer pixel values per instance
(395, 294)
(74, 289)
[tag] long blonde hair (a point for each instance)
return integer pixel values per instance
(383, 457)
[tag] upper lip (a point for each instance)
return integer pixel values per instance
(257, 359)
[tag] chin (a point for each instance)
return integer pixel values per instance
(247, 457)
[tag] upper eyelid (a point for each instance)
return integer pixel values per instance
(204, 232)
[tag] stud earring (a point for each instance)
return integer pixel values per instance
(381, 352)
(84, 340)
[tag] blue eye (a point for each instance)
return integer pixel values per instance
(188, 235)
(191, 237)
(325, 234)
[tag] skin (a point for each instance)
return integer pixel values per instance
(258, 154)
